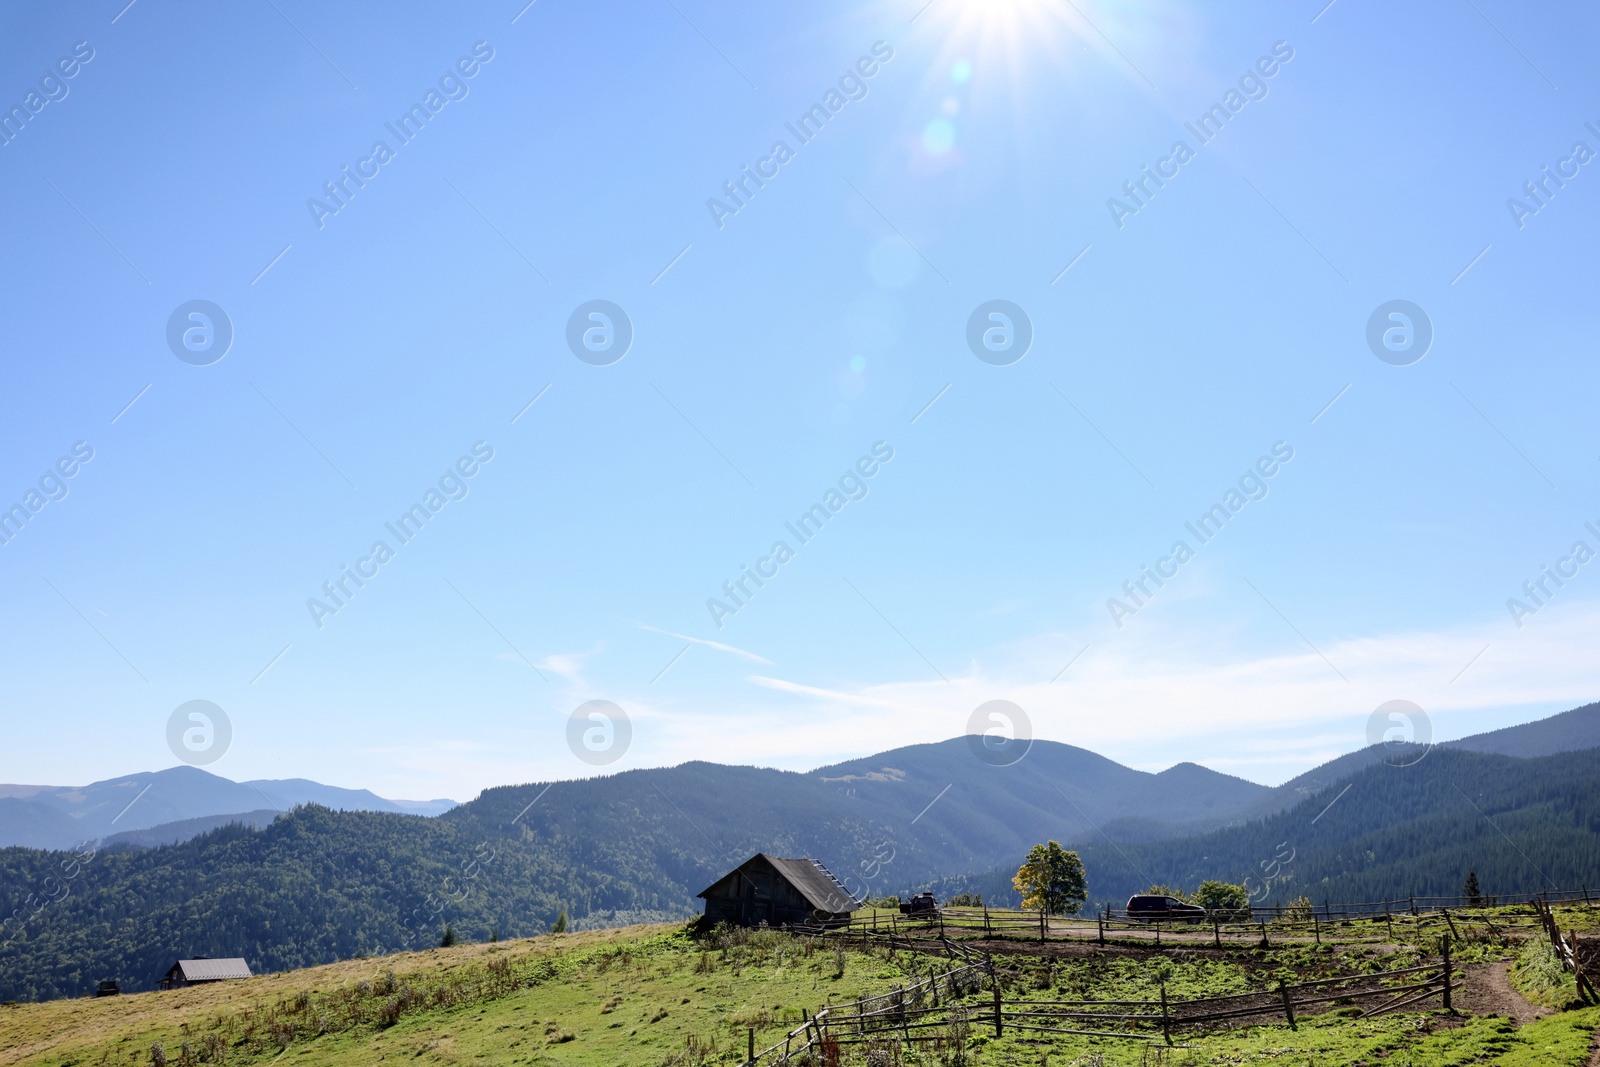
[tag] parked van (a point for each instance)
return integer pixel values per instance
(1149, 908)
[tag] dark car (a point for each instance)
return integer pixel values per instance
(921, 904)
(1149, 908)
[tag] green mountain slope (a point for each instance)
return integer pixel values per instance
(1570, 731)
(1385, 832)
(66, 816)
(318, 885)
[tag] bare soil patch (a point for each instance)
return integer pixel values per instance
(1487, 991)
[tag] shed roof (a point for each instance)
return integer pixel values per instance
(813, 880)
(212, 970)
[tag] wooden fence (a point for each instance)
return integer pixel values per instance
(1165, 1017)
(900, 1010)
(1566, 949)
(934, 1006)
(1419, 919)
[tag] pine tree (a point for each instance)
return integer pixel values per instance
(449, 937)
(560, 926)
(1470, 890)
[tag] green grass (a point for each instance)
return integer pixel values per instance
(655, 997)
(645, 995)
(1402, 1040)
(1538, 975)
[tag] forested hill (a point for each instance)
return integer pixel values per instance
(1383, 833)
(318, 885)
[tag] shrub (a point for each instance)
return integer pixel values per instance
(1230, 903)
(1299, 909)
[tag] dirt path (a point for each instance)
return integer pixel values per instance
(1487, 991)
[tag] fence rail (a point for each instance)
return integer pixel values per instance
(1412, 919)
(1566, 949)
(909, 1012)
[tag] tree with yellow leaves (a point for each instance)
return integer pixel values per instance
(1052, 880)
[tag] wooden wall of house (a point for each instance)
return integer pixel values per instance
(755, 895)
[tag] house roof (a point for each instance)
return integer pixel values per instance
(212, 970)
(813, 880)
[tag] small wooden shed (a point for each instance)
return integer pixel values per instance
(777, 891)
(201, 970)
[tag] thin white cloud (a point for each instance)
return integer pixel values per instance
(1148, 698)
(1174, 694)
(718, 645)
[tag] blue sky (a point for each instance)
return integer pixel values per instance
(374, 347)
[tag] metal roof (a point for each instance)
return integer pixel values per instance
(813, 880)
(212, 970)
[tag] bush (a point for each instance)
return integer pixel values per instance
(1222, 900)
(1300, 909)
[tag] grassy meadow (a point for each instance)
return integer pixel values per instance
(654, 996)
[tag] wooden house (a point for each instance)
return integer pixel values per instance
(202, 970)
(778, 892)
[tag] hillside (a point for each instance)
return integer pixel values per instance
(317, 885)
(1569, 731)
(1522, 824)
(618, 996)
(659, 996)
(61, 817)
(172, 833)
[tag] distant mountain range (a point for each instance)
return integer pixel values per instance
(1519, 806)
(60, 817)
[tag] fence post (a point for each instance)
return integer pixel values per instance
(1166, 1022)
(1413, 905)
(1216, 930)
(986, 920)
(1100, 922)
(1447, 970)
(1316, 927)
(1388, 920)
(1041, 926)
(1264, 943)
(750, 1045)
(1288, 1003)
(997, 1024)
(1586, 987)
